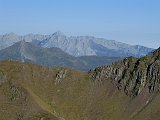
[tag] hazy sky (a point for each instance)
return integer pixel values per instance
(128, 21)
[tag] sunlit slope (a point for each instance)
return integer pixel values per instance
(32, 92)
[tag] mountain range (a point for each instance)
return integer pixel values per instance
(78, 45)
(52, 57)
(126, 90)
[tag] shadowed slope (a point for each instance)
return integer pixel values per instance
(27, 52)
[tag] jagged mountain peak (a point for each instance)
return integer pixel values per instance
(58, 33)
(10, 34)
(154, 55)
(89, 45)
(78, 45)
(157, 51)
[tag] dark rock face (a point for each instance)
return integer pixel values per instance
(133, 75)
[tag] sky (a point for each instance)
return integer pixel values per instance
(129, 21)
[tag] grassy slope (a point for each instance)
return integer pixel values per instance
(74, 97)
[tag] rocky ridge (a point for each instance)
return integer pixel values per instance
(132, 75)
(78, 45)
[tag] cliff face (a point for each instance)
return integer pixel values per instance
(133, 75)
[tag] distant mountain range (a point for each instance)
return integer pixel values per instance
(9, 39)
(53, 57)
(78, 45)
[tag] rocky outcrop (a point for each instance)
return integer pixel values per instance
(132, 75)
(60, 75)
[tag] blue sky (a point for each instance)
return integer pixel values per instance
(128, 21)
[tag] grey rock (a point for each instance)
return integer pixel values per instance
(78, 45)
(132, 75)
